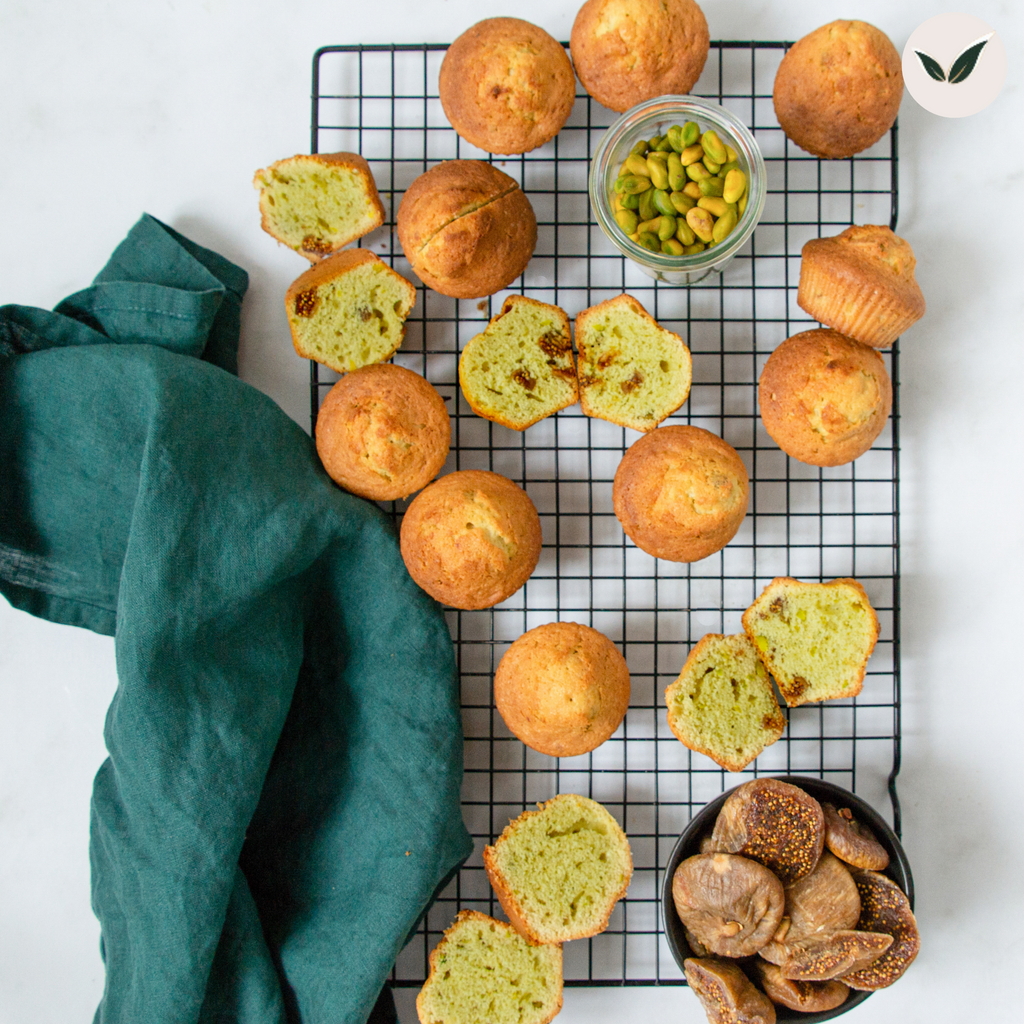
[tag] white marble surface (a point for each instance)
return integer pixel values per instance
(112, 108)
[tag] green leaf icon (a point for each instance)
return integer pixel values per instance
(932, 66)
(964, 64)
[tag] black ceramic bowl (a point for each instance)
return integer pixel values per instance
(824, 792)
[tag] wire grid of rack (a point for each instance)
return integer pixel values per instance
(814, 524)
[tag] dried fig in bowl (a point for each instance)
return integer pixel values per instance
(805, 996)
(834, 955)
(813, 955)
(823, 902)
(886, 910)
(732, 905)
(851, 841)
(774, 823)
(726, 993)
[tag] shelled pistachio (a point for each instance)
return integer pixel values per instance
(680, 192)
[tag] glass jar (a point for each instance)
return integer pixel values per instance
(655, 117)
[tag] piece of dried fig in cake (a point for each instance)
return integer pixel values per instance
(885, 909)
(851, 841)
(833, 956)
(774, 823)
(732, 905)
(823, 902)
(804, 996)
(726, 993)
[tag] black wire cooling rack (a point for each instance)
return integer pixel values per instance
(814, 524)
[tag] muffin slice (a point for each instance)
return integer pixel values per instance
(349, 310)
(520, 369)
(631, 371)
(483, 970)
(814, 638)
(317, 204)
(560, 870)
(723, 704)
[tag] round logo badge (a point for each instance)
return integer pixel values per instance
(954, 65)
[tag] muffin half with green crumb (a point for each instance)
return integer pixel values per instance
(559, 871)
(520, 368)
(484, 970)
(631, 371)
(349, 310)
(316, 204)
(723, 704)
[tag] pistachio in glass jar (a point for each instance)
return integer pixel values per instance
(680, 193)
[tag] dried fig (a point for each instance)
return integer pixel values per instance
(885, 909)
(732, 905)
(774, 823)
(851, 841)
(823, 902)
(698, 947)
(833, 956)
(805, 996)
(727, 994)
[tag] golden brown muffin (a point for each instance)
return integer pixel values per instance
(471, 539)
(824, 397)
(467, 228)
(838, 90)
(681, 493)
(506, 85)
(562, 688)
(318, 203)
(628, 51)
(861, 282)
(383, 432)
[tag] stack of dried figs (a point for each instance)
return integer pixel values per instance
(785, 904)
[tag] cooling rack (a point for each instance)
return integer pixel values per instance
(814, 524)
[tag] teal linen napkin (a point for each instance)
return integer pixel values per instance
(281, 799)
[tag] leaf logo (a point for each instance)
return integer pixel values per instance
(960, 68)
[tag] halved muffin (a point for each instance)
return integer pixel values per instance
(349, 310)
(318, 203)
(520, 369)
(631, 371)
(559, 871)
(722, 704)
(484, 970)
(814, 638)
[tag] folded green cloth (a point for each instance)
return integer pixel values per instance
(281, 800)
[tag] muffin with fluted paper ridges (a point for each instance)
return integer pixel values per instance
(861, 283)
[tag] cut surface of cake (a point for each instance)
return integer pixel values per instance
(520, 369)
(723, 704)
(319, 203)
(484, 970)
(631, 371)
(349, 310)
(814, 638)
(560, 870)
